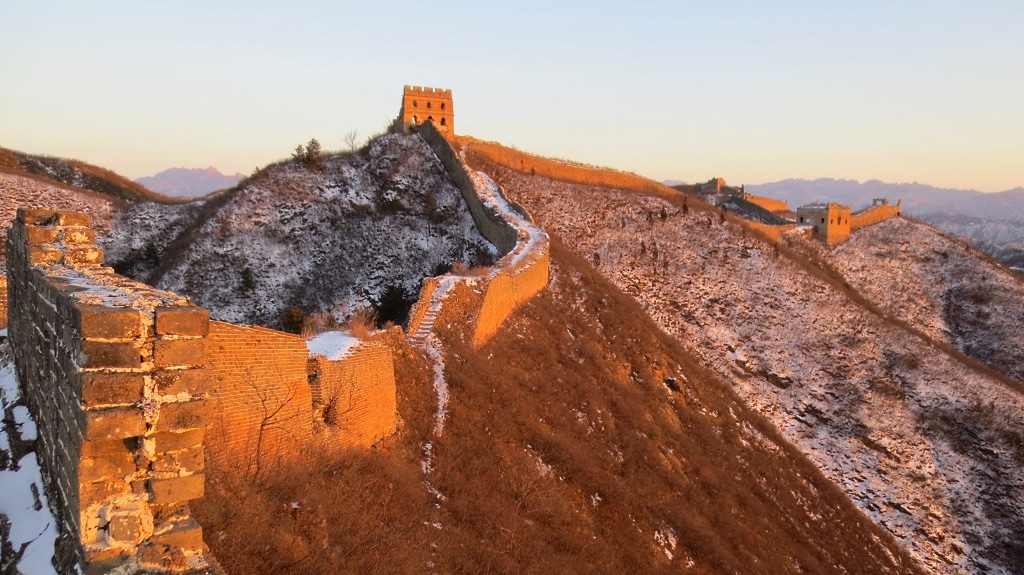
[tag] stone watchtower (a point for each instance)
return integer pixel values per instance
(831, 221)
(422, 104)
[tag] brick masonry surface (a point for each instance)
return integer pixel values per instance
(354, 398)
(262, 406)
(112, 371)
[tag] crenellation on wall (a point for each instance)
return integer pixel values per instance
(86, 356)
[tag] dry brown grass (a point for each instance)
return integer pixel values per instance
(563, 452)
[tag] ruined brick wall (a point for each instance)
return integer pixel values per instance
(422, 104)
(511, 286)
(3, 302)
(874, 215)
(564, 171)
(112, 372)
(773, 232)
(758, 211)
(354, 398)
(491, 225)
(770, 204)
(260, 396)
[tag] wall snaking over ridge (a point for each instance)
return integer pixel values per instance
(112, 373)
(523, 270)
(497, 231)
(874, 215)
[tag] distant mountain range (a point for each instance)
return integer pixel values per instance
(918, 199)
(192, 183)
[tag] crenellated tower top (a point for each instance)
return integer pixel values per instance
(422, 104)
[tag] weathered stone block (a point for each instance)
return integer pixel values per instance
(113, 423)
(83, 254)
(106, 448)
(77, 235)
(182, 320)
(191, 381)
(44, 255)
(101, 491)
(37, 217)
(175, 440)
(99, 389)
(162, 559)
(101, 322)
(179, 352)
(127, 528)
(40, 235)
(185, 534)
(186, 459)
(74, 219)
(184, 415)
(100, 561)
(100, 354)
(105, 467)
(176, 489)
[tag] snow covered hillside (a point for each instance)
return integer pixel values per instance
(927, 446)
(940, 286)
(362, 229)
(23, 192)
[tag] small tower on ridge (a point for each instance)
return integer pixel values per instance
(420, 105)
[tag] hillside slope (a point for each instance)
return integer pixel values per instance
(18, 191)
(581, 439)
(78, 174)
(942, 287)
(927, 446)
(357, 230)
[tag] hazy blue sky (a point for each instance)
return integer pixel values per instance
(928, 91)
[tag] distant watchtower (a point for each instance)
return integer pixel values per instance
(831, 221)
(422, 104)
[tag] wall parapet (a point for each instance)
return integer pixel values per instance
(113, 373)
(492, 226)
(522, 271)
(875, 214)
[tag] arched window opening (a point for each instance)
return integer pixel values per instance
(801, 219)
(822, 220)
(428, 104)
(442, 105)
(430, 118)
(443, 123)
(415, 120)
(414, 104)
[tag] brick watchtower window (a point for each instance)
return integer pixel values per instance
(428, 104)
(442, 105)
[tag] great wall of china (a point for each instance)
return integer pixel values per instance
(135, 390)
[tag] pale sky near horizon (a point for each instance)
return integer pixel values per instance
(900, 91)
